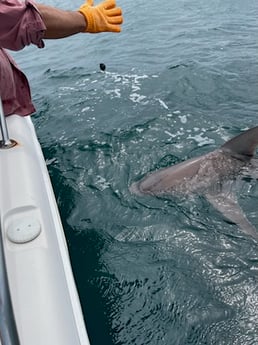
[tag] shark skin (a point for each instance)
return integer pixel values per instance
(211, 175)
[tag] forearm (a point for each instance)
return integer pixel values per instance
(60, 23)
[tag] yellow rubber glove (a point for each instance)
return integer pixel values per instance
(103, 17)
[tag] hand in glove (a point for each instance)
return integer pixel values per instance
(103, 17)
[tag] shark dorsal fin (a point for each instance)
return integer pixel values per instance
(244, 144)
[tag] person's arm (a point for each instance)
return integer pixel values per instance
(24, 22)
(89, 18)
(60, 23)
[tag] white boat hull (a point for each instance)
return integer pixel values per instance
(45, 302)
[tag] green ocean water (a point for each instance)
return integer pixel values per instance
(180, 79)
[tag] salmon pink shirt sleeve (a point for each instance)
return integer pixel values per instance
(20, 25)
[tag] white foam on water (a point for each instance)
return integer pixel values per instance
(201, 140)
(116, 93)
(163, 103)
(136, 98)
(65, 88)
(170, 134)
(101, 183)
(85, 109)
(183, 118)
(133, 81)
(139, 130)
(51, 161)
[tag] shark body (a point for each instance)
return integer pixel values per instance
(209, 175)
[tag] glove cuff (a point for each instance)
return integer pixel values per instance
(89, 19)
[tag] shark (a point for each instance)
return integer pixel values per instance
(210, 175)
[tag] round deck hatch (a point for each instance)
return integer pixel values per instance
(23, 230)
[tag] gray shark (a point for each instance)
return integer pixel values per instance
(211, 175)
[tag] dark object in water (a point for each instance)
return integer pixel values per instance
(102, 66)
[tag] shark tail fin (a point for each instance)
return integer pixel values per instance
(243, 144)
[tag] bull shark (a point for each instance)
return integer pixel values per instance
(211, 175)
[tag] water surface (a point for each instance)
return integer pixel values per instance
(180, 80)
